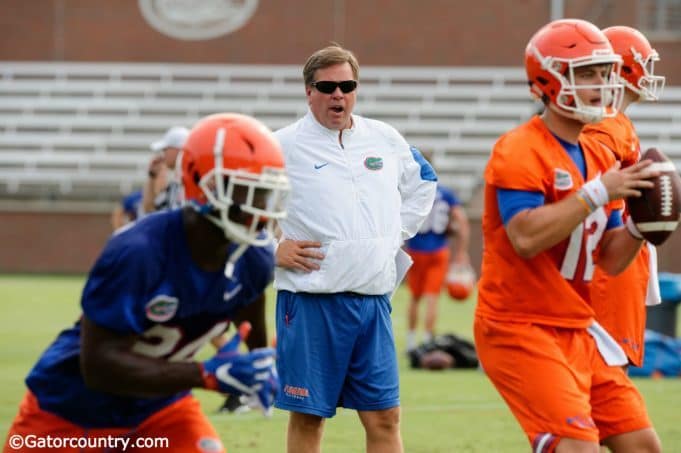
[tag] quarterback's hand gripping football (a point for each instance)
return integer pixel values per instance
(627, 182)
(252, 374)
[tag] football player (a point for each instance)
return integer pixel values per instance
(163, 191)
(620, 301)
(432, 252)
(159, 291)
(552, 212)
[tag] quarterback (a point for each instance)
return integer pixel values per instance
(552, 213)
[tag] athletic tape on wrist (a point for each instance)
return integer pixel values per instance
(596, 193)
(582, 198)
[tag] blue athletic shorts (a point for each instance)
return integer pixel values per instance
(335, 350)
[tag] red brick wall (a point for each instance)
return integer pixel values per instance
(51, 242)
(381, 32)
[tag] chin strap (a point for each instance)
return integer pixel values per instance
(233, 258)
(236, 254)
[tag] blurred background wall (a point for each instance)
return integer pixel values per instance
(48, 236)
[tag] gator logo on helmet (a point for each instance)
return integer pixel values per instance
(373, 163)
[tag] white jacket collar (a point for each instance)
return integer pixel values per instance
(330, 132)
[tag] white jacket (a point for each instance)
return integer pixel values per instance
(360, 200)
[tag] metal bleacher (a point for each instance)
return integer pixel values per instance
(81, 132)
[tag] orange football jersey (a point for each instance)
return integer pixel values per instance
(619, 302)
(618, 136)
(552, 287)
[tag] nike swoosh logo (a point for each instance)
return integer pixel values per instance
(317, 167)
(222, 373)
(228, 295)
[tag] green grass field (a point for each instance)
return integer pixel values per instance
(452, 411)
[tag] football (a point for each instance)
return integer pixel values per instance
(656, 212)
(460, 282)
(436, 360)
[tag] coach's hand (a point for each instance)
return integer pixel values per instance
(253, 374)
(299, 255)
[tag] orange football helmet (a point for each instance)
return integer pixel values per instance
(638, 62)
(460, 282)
(551, 57)
(228, 150)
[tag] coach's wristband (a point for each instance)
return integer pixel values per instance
(631, 228)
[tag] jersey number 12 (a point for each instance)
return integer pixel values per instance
(593, 227)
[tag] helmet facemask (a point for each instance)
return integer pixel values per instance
(649, 86)
(244, 204)
(250, 221)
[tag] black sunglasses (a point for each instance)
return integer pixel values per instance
(328, 87)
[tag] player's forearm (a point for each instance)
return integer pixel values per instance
(148, 196)
(255, 314)
(534, 230)
(618, 249)
(108, 364)
(129, 374)
(459, 247)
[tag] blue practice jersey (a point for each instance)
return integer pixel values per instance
(145, 283)
(433, 233)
